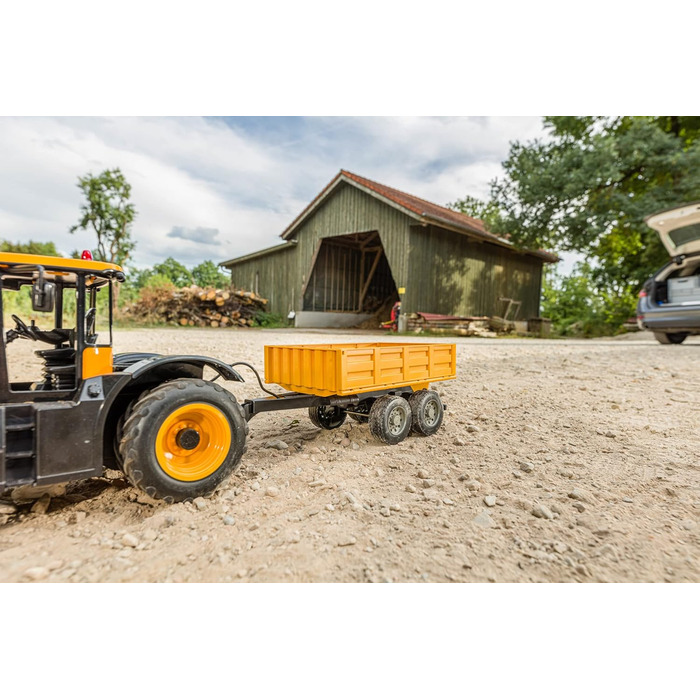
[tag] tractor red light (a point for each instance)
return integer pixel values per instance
(86, 255)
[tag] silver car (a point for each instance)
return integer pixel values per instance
(669, 303)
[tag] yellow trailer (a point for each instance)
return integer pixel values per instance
(383, 384)
(343, 369)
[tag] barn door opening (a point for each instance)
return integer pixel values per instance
(351, 274)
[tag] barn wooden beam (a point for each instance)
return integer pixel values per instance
(372, 270)
(311, 270)
(370, 238)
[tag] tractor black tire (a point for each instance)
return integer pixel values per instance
(119, 432)
(390, 419)
(157, 456)
(327, 417)
(670, 338)
(427, 412)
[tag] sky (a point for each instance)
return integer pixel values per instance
(219, 187)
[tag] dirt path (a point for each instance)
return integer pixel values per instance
(557, 461)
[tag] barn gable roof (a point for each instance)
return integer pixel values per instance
(420, 209)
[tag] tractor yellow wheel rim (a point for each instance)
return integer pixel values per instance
(193, 442)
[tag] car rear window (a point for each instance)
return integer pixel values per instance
(685, 234)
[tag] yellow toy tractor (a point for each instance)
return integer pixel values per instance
(175, 435)
(173, 439)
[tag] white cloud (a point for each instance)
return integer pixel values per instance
(246, 180)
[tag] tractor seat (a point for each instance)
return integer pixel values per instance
(59, 367)
(54, 355)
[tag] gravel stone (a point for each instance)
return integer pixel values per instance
(490, 501)
(526, 467)
(272, 491)
(459, 442)
(77, 517)
(580, 495)
(28, 493)
(42, 505)
(347, 541)
(129, 540)
(541, 511)
(7, 508)
(277, 445)
(484, 520)
(37, 573)
(473, 485)
(200, 503)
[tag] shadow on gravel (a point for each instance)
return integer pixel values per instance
(86, 491)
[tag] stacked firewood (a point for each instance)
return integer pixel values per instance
(197, 306)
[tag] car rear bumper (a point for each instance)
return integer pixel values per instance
(668, 317)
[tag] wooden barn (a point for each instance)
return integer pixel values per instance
(358, 243)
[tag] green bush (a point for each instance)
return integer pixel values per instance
(578, 308)
(266, 319)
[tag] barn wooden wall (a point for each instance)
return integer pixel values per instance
(277, 278)
(454, 274)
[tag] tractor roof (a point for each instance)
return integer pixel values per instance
(24, 265)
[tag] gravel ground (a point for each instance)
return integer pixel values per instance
(557, 461)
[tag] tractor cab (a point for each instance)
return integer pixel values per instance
(61, 318)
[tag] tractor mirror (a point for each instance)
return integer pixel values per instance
(43, 295)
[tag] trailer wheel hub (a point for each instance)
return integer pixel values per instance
(188, 439)
(397, 420)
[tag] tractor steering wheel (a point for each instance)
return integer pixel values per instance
(22, 328)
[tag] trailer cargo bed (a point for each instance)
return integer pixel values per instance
(344, 369)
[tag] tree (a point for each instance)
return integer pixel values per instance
(206, 274)
(176, 272)
(31, 247)
(488, 211)
(587, 186)
(108, 212)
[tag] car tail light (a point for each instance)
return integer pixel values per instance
(643, 293)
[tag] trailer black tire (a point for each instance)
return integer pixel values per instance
(427, 412)
(182, 439)
(327, 417)
(390, 419)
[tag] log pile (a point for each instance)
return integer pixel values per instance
(197, 306)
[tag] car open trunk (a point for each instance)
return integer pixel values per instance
(679, 230)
